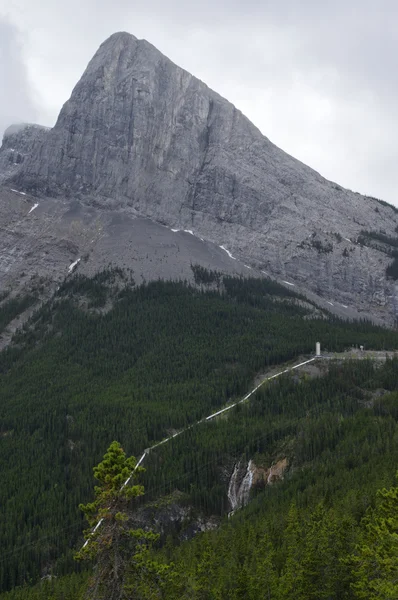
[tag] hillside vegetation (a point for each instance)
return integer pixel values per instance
(322, 532)
(105, 361)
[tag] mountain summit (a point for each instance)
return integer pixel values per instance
(142, 134)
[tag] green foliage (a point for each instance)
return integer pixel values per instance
(378, 236)
(261, 293)
(376, 558)
(111, 473)
(384, 203)
(95, 289)
(68, 587)
(243, 561)
(319, 422)
(322, 248)
(4, 294)
(162, 357)
(14, 307)
(390, 247)
(205, 277)
(121, 555)
(311, 535)
(314, 546)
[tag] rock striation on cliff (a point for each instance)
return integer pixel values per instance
(18, 143)
(140, 133)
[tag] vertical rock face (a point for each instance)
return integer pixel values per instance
(18, 143)
(138, 131)
(246, 475)
(135, 129)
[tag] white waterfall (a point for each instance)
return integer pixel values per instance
(245, 486)
(232, 488)
(239, 488)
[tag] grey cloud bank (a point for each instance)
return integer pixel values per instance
(319, 81)
(16, 101)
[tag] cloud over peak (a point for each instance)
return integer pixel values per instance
(16, 98)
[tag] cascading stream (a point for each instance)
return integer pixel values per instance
(239, 489)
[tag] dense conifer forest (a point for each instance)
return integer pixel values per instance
(106, 360)
(12, 308)
(325, 531)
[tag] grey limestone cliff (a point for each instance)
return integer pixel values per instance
(19, 141)
(142, 134)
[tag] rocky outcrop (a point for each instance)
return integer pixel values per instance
(44, 240)
(173, 515)
(269, 476)
(18, 143)
(245, 476)
(140, 132)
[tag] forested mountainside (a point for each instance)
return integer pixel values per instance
(106, 360)
(321, 532)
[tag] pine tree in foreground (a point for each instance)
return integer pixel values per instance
(123, 568)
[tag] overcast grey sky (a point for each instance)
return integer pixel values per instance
(318, 78)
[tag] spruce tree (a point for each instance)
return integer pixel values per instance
(121, 555)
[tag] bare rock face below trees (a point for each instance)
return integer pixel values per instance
(247, 475)
(172, 514)
(141, 137)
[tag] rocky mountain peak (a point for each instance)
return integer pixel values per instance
(119, 36)
(141, 134)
